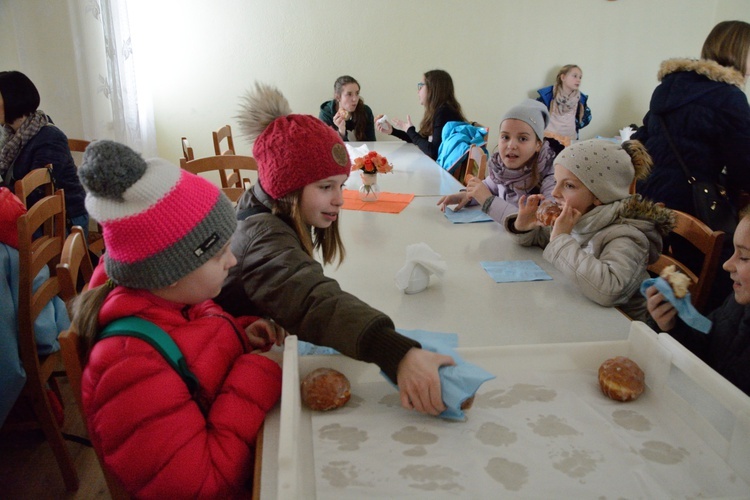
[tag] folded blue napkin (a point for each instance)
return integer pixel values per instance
(458, 382)
(684, 306)
(466, 215)
(509, 271)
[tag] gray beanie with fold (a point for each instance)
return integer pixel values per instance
(531, 112)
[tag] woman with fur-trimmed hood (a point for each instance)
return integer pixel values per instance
(604, 238)
(705, 108)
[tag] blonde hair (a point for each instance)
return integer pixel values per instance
(85, 315)
(327, 240)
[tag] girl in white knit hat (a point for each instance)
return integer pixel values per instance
(604, 238)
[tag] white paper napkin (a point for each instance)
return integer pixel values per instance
(356, 152)
(421, 262)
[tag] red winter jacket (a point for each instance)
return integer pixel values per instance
(140, 414)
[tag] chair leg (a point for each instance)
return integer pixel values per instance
(52, 432)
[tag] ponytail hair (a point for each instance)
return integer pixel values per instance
(86, 309)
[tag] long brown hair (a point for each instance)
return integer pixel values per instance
(728, 44)
(327, 240)
(440, 93)
(85, 310)
(359, 116)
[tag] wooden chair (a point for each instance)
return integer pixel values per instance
(704, 239)
(74, 358)
(187, 151)
(75, 264)
(476, 165)
(234, 178)
(221, 164)
(35, 254)
(37, 178)
(96, 241)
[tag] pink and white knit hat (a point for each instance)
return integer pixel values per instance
(160, 222)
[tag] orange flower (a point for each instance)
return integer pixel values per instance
(372, 163)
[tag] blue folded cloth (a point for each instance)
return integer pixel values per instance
(458, 382)
(684, 306)
(515, 270)
(466, 215)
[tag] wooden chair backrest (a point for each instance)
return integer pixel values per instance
(75, 263)
(222, 164)
(73, 357)
(37, 178)
(476, 164)
(77, 147)
(708, 242)
(233, 178)
(187, 151)
(34, 254)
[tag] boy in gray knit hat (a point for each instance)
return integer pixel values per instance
(605, 237)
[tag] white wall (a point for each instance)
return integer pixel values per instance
(203, 55)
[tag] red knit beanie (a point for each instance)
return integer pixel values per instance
(296, 150)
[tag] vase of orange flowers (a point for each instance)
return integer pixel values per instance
(371, 165)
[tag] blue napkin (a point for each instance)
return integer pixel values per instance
(466, 215)
(509, 271)
(458, 382)
(307, 348)
(685, 309)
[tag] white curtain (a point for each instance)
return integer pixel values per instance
(114, 89)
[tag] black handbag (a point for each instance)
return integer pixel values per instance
(710, 200)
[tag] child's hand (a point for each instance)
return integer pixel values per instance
(527, 206)
(568, 218)
(419, 382)
(660, 309)
(384, 126)
(478, 190)
(263, 333)
(402, 125)
(459, 199)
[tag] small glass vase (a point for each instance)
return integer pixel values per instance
(369, 190)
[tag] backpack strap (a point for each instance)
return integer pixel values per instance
(132, 326)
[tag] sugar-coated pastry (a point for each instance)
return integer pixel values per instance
(677, 280)
(621, 379)
(325, 389)
(548, 212)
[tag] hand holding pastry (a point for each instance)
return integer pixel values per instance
(548, 212)
(565, 222)
(527, 207)
(339, 119)
(663, 312)
(383, 126)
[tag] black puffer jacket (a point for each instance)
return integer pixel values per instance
(708, 117)
(726, 348)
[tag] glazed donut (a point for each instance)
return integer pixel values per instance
(548, 212)
(325, 389)
(621, 379)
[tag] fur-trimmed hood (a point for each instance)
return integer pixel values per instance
(684, 81)
(638, 208)
(706, 67)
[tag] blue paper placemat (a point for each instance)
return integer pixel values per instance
(509, 271)
(466, 215)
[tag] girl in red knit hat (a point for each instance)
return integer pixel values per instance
(160, 433)
(291, 212)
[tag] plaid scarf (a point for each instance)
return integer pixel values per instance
(16, 140)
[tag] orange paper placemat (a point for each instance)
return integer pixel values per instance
(389, 203)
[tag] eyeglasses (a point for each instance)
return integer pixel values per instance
(420, 85)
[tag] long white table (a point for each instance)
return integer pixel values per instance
(465, 300)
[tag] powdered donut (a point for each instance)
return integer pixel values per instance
(677, 280)
(621, 379)
(325, 389)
